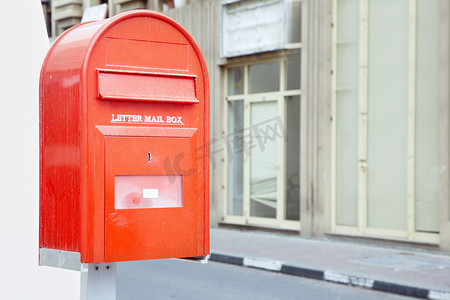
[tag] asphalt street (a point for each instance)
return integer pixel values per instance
(177, 279)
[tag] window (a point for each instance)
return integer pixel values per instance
(386, 118)
(263, 142)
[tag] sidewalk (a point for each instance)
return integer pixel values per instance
(419, 274)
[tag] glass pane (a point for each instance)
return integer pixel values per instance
(347, 44)
(236, 81)
(347, 158)
(147, 191)
(265, 77)
(294, 27)
(264, 159)
(293, 158)
(293, 70)
(387, 114)
(235, 157)
(427, 116)
(347, 113)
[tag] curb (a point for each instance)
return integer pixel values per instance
(331, 276)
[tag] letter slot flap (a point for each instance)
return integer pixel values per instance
(145, 86)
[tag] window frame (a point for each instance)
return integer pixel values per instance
(248, 99)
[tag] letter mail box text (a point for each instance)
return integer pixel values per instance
(124, 131)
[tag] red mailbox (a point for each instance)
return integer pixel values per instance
(124, 126)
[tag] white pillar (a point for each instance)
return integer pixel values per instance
(24, 44)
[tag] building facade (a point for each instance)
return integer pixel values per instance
(328, 117)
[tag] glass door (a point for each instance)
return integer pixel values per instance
(386, 119)
(264, 160)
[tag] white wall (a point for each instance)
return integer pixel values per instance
(23, 46)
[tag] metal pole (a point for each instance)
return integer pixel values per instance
(98, 282)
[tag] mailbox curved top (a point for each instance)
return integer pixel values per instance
(139, 42)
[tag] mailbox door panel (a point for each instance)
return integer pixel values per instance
(153, 208)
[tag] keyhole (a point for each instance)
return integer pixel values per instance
(149, 157)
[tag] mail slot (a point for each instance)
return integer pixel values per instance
(124, 127)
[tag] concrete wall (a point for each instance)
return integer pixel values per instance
(65, 14)
(445, 128)
(202, 21)
(315, 159)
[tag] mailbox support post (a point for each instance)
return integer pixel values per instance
(98, 282)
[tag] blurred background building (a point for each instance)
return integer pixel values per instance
(329, 118)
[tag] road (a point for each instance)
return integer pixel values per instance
(176, 279)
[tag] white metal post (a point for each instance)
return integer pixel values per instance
(98, 282)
